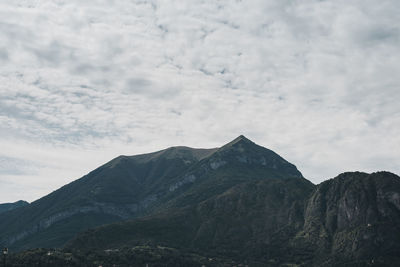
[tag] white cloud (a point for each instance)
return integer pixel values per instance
(316, 81)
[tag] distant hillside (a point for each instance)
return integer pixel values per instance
(10, 206)
(129, 187)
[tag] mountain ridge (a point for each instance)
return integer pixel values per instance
(132, 186)
(4, 207)
(237, 203)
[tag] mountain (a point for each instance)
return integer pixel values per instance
(240, 204)
(10, 206)
(351, 220)
(129, 187)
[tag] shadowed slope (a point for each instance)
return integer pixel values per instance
(122, 188)
(133, 186)
(352, 220)
(11, 206)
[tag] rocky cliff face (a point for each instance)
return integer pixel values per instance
(354, 216)
(352, 220)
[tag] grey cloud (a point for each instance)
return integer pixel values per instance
(51, 53)
(83, 69)
(3, 54)
(383, 34)
(137, 84)
(317, 81)
(15, 166)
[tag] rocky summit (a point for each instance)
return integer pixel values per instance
(240, 204)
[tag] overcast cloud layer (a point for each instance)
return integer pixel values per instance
(84, 81)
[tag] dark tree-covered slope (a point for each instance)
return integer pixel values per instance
(123, 188)
(134, 186)
(352, 220)
(10, 206)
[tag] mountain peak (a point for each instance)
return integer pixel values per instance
(242, 136)
(245, 152)
(239, 139)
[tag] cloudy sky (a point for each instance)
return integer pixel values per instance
(82, 82)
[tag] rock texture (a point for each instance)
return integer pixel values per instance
(354, 216)
(351, 220)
